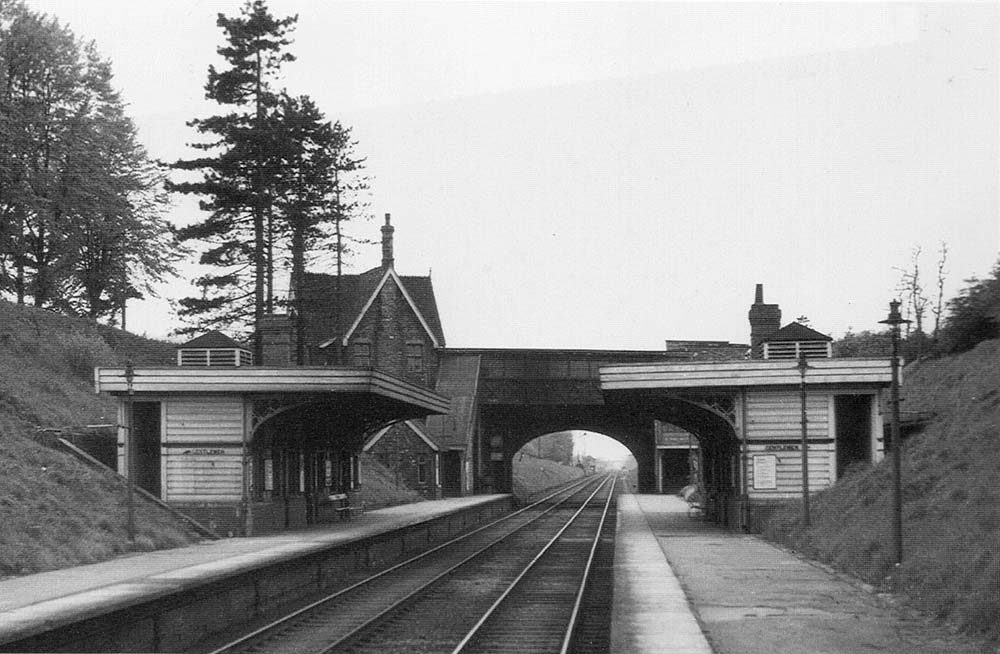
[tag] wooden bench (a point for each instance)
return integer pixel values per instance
(341, 504)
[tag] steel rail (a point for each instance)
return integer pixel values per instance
(331, 647)
(569, 491)
(524, 573)
(585, 577)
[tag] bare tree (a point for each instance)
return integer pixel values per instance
(938, 309)
(912, 291)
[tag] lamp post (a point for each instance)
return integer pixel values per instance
(803, 366)
(896, 442)
(129, 446)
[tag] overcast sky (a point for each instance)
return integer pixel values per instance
(610, 175)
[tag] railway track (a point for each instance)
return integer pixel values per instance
(516, 585)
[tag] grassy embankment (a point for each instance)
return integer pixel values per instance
(951, 500)
(532, 474)
(56, 511)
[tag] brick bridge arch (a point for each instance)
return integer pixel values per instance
(524, 394)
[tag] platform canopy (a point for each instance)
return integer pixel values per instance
(335, 383)
(745, 373)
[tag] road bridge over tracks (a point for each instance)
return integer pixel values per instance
(526, 393)
(761, 425)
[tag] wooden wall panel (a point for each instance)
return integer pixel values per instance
(778, 416)
(202, 449)
(204, 420)
(822, 465)
(204, 474)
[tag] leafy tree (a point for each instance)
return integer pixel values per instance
(42, 75)
(863, 344)
(118, 241)
(878, 345)
(554, 447)
(71, 169)
(239, 172)
(973, 316)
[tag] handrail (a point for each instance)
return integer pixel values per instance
(86, 458)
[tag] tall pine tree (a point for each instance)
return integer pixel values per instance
(348, 200)
(321, 186)
(305, 184)
(239, 172)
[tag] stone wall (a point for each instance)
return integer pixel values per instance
(393, 331)
(402, 451)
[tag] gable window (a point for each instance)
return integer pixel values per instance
(362, 354)
(415, 357)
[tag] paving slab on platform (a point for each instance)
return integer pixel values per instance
(751, 597)
(79, 592)
(651, 612)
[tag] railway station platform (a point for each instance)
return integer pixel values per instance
(651, 612)
(681, 585)
(685, 585)
(71, 598)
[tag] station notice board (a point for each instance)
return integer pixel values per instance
(765, 472)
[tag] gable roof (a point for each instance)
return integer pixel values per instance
(458, 380)
(212, 339)
(414, 427)
(796, 332)
(319, 294)
(390, 276)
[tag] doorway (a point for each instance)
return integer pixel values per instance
(853, 416)
(451, 474)
(146, 438)
(675, 469)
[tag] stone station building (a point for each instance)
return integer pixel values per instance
(364, 367)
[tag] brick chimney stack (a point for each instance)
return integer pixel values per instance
(276, 331)
(765, 321)
(387, 230)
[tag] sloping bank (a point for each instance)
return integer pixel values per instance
(951, 500)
